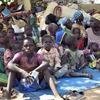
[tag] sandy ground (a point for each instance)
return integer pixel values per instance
(93, 94)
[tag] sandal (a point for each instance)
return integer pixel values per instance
(75, 93)
(6, 95)
(14, 93)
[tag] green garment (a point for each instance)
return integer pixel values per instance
(33, 23)
(3, 76)
(68, 32)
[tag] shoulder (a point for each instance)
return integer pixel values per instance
(54, 49)
(41, 51)
(18, 55)
(80, 53)
(39, 58)
(88, 30)
(75, 25)
(8, 52)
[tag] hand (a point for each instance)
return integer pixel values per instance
(24, 73)
(57, 67)
(29, 79)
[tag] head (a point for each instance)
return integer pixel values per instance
(68, 24)
(51, 18)
(28, 31)
(1, 27)
(10, 32)
(95, 23)
(94, 47)
(52, 28)
(71, 42)
(43, 32)
(76, 32)
(2, 37)
(48, 42)
(28, 45)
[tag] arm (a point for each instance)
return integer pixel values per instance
(83, 62)
(14, 66)
(43, 65)
(57, 59)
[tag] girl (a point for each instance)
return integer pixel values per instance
(74, 59)
(80, 40)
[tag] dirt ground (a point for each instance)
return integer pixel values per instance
(93, 94)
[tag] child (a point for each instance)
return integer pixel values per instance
(28, 31)
(1, 27)
(74, 59)
(3, 76)
(92, 55)
(3, 44)
(78, 22)
(50, 53)
(13, 42)
(77, 33)
(26, 61)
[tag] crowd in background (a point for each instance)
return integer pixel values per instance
(65, 48)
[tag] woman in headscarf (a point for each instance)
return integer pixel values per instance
(78, 22)
(93, 32)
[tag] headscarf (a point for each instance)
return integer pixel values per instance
(76, 15)
(96, 16)
(62, 21)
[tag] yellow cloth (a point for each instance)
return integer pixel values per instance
(96, 16)
(20, 23)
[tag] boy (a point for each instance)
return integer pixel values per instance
(50, 52)
(26, 61)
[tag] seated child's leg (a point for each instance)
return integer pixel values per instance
(11, 77)
(79, 74)
(63, 71)
(49, 79)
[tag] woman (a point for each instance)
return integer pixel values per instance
(94, 31)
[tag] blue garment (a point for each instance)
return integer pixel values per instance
(6, 12)
(59, 35)
(76, 15)
(62, 21)
(26, 87)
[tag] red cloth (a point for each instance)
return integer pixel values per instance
(80, 44)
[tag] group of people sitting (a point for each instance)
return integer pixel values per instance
(64, 49)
